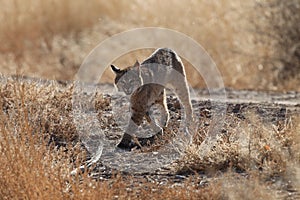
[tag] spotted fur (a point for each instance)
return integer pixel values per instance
(146, 84)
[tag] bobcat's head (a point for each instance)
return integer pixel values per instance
(129, 79)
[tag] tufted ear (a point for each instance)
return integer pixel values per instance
(115, 69)
(136, 67)
(136, 64)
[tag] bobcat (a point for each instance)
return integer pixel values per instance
(146, 83)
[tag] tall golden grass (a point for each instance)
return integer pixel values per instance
(50, 38)
(33, 21)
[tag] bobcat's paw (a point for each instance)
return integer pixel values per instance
(127, 143)
(127, 146)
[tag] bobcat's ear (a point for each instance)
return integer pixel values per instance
(115, 69)
(136, 64)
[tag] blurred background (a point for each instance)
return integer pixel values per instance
(255, 44)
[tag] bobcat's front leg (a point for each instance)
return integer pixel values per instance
(129, 141)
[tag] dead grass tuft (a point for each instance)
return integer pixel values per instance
(265, 152)
(251, 144)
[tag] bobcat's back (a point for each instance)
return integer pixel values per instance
(165, 57)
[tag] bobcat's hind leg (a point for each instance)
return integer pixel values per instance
(183, 93)
(181, 88)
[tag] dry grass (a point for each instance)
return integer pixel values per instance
(34, 22)
(50, 39)
(267, 153)
(251, 144)
(253, 160)
(33, 168)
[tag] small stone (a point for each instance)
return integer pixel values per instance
(206, 124)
